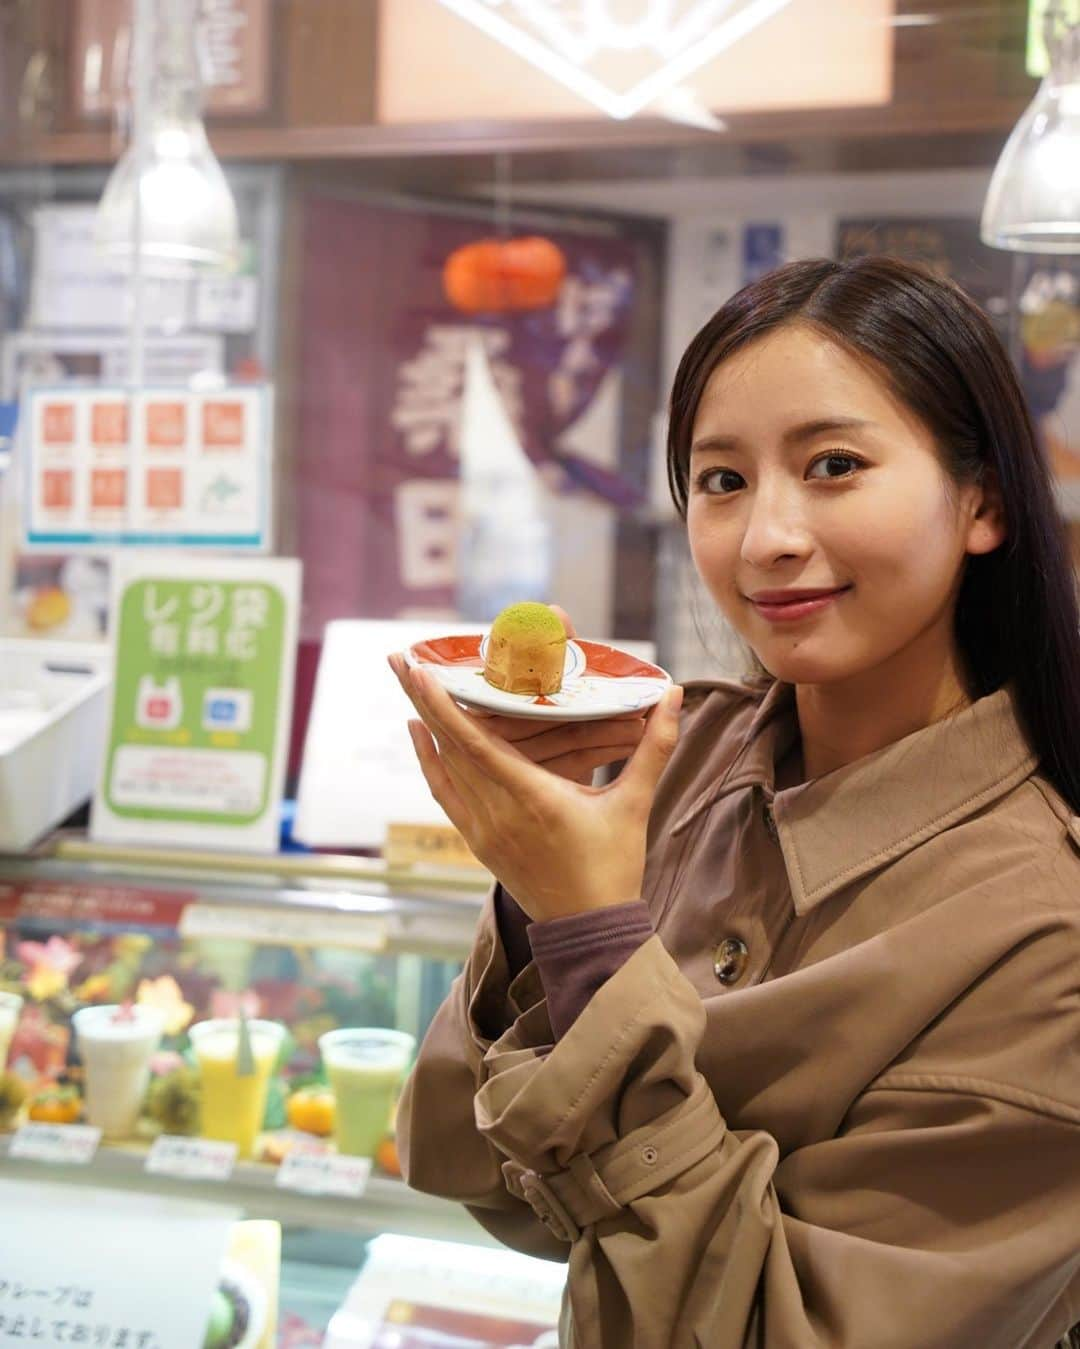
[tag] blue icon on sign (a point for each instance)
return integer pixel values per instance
(227, 710)
(222, 712)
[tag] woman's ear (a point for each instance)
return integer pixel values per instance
(988, 528)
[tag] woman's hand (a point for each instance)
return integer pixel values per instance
(557, 846)
(571, 749)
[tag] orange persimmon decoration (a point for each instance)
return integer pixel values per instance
(311, 1109)
(386, 1155)
(55, 1105)
(497, 275)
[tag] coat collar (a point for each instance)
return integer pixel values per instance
(838, 828)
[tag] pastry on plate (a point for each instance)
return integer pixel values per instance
(526, 650)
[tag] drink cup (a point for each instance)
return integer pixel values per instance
(10, 1006)
(366, 1069)
(116, 1045)
(233, 1105)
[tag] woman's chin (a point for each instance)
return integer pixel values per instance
(806, 667)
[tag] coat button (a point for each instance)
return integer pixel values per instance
(729, 960)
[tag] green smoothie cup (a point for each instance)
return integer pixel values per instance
(366, 1069)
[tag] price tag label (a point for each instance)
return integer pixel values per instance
(192, 1158)
(278, 927)
(324, 1173)
(70, 1144)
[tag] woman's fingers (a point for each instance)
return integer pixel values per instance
(517, 729)
(657, 746)
(464, 742)
(564, 619)
(469, 745)
(611, 743)
(438, 779)
(579, 765)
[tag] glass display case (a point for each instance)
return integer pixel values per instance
(308, 943)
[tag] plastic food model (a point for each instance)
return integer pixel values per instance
(311, 1109)
(526, 650)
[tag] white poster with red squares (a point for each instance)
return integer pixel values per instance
(106, 467)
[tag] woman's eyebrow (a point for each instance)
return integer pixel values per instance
(794, 435)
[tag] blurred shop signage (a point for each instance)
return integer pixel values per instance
(105, 467)
(75, 295)
(97, 1267)
(107, 907)
(433, 844)
(235, 48)
(359, 775)
(204, 655)
(674, 58)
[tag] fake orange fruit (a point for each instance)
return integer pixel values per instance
(312, 1110)
(386, 1155)
(56, 1105)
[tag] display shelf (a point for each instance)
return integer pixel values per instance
(410, 910)
(387, 1205)
(314, 867)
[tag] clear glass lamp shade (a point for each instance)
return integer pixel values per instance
(1033, 205)
(189, 222)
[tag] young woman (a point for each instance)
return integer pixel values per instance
(778, 1039)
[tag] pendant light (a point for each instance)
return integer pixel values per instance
(1033, 204)
(167, 200)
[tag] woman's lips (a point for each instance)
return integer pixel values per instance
(790, 611)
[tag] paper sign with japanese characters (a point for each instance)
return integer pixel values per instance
(106, 468)
(204, 657)
(107, 1270)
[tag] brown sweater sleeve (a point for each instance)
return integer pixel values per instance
(577, 954)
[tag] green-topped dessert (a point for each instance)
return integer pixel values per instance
(526, 650)
(219, 1329)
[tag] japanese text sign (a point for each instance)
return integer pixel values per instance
(204, 657)
(107, 1270)
(324, 1173)
(105, 467)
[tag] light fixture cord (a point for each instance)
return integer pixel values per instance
(142, 52)
(503, 195)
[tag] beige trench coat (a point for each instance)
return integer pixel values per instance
(869, 1137)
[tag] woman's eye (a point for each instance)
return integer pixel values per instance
(720, 481)
(835, 465)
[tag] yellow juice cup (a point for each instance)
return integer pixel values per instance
(10, 1006)
(233, 1106)
(365, 1069)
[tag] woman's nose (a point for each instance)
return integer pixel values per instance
(775, 527)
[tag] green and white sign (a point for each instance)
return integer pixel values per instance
(204, 654)
(1038, 58)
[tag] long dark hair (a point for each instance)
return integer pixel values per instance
(1018, 614)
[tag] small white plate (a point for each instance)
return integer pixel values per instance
(598, 680)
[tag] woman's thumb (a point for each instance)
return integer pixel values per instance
(564, 619)
(658, 743)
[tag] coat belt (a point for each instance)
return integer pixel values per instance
(600, 1185)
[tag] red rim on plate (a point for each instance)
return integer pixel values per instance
(600, 660)
(599, 680)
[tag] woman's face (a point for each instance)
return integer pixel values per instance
(808, 474)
